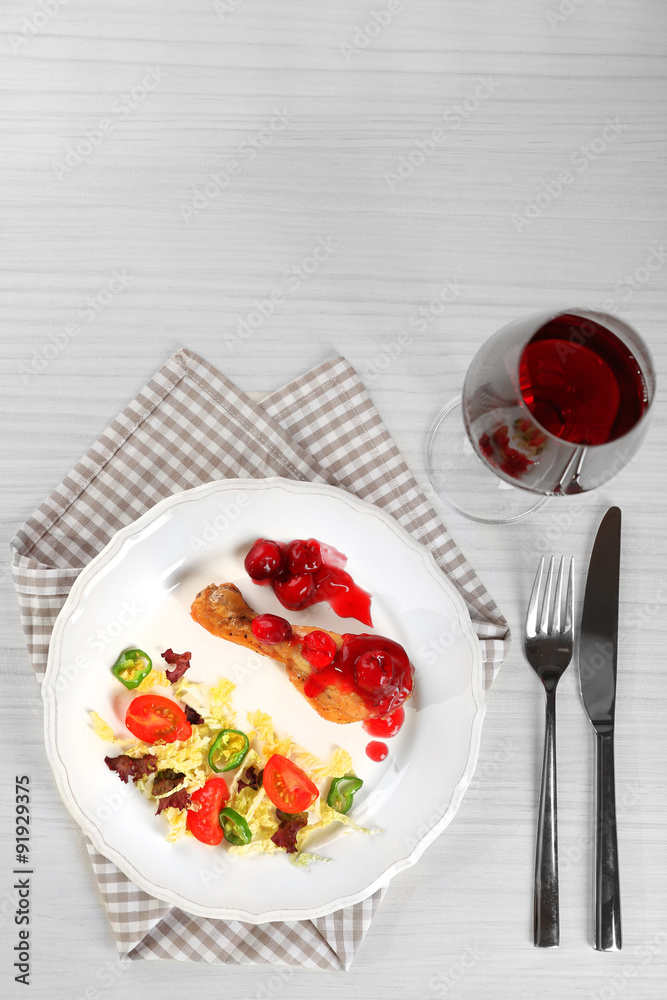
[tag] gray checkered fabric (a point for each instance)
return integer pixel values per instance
(189, 426)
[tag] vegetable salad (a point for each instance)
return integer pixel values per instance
(223, 782)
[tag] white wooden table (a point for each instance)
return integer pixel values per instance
(169, 170)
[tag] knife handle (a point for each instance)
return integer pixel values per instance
(546, 923)
(607, 887)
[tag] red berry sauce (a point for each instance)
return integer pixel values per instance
(385, 727)
(319, 649)
(377, 751)
(376, 668)
(305, 572)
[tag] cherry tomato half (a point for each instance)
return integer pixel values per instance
(204, 824)
(151, 717)
(289, 788)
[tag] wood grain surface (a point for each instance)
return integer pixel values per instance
(276, 183)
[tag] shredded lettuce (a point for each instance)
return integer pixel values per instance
(190, 759)
(105, 732)
(156, 678)
(263, 726)
(317, 770)
(302, 859)
(221, 712)
(176, 818)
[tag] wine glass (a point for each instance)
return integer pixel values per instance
(553, 404)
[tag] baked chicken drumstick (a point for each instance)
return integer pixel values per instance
(361, 677)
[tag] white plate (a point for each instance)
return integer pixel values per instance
(138, 592)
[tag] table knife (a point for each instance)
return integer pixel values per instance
(597, 670)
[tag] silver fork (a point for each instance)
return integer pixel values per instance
(548, 647)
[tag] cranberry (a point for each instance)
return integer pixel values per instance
(264, 560)
(374, 670)
(377, 751)
(294, 592)
(271, 629)
(319, 649)
(304, 556)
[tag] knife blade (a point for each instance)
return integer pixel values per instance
(598, 639)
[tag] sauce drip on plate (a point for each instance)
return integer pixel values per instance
(385, 727)
(377, 751)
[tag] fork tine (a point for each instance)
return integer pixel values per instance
(531, 614)
(546, 603)
(569, 597)
(559, 597)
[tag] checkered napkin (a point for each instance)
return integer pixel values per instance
(189, 426)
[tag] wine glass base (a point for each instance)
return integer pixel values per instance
(465, 483)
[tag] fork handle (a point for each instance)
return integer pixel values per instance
(607, 887)
(546, 919)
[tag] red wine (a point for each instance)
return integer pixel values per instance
(581, 382)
